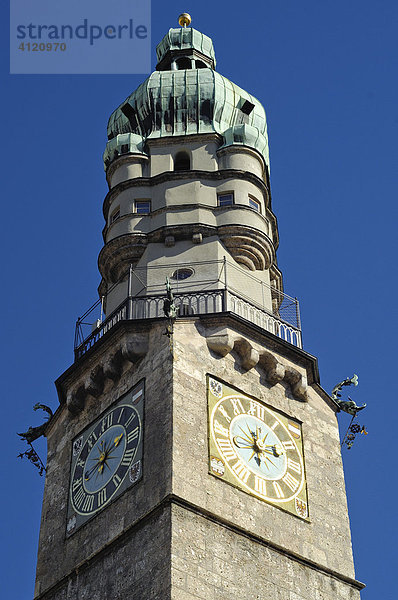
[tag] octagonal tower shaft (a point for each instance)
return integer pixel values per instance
(188, 170)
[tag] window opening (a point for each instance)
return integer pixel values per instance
(142, 207)
(181, 274)
(255, 204)
(225, 199)
(115, 215)
(184, 63)
(182, 162)
(247, 107)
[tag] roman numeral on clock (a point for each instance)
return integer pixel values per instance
(237, 405)
(107, 422)
(226, 449)
(77, 483)
(291, 481)
(241, 471)
(218, 428)
(278, 490)
(101, 497)
(128, 457)
(288, 445)
(88, 503)
(91, 440)
(260, 486)
(133, 435)
(120, 415)
(116, 479)
(131, 417)
(224, 413)
(294, 466)
(79, 497)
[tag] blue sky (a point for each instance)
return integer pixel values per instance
(327, 76)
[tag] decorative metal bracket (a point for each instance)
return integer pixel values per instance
(33, 434)
(351, 408)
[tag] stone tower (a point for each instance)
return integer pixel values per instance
(196, 457)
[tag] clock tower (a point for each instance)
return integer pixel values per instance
(194, 454)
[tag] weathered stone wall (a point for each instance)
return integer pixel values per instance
(326, 539)
(58, 555)
(180, 525)
(209, 561)
(134, 567)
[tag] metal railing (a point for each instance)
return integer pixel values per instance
(283, 320)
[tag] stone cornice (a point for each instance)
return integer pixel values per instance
(224, 332)
(126, 341)
(246, 245)
(267, 339)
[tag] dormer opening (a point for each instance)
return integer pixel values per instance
(183, 63)
(247, 107)
(182, 161)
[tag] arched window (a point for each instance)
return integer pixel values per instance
(182, 162)
(199, 64)
(183, 63)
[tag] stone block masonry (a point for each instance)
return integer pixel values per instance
(181, 533)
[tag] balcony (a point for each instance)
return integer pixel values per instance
(266, 307)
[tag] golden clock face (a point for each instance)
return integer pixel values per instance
(256, 448)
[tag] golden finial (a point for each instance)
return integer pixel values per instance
(184, 19)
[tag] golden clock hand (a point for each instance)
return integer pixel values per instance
(275, 450)
(117, 439)
(238, 443)
(246, 437)
(258, 457)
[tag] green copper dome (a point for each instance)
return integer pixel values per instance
(177, 41)
(188, 100)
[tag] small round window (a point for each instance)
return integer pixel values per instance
(181, 274)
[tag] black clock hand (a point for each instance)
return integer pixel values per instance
(88, 474)
(97, 464)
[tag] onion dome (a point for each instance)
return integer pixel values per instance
(186, 96)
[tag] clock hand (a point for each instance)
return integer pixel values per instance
(98, 464)
(274, 450)
(239, 440)
(117, 439)
(88, 474)
(104, 456)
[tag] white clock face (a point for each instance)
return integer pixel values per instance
(256, 448)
